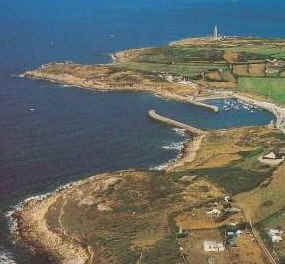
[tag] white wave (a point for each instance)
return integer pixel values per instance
(66, 85)
(6, 257)
(12, 222)
(180, 131)
(163, 166)
(174, 146)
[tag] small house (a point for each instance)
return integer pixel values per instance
(270, 155)
(275, 154)
(275, 235)
(213, 246)
(214, 212)
(276, 239)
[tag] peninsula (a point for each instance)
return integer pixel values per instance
(222, 202)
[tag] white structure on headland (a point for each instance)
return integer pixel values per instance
(216, 33)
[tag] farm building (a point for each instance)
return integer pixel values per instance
(277, 153)
(275, 235)
(213, 246)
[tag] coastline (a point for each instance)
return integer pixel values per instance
(189, 152)
(70, 249)
(51, 241)
(85, 84)
(277, 110)
(41, 203)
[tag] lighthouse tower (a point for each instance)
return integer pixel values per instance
(216, 34)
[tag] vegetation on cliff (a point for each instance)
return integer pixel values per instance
(134, 216)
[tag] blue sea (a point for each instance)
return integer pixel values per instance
(52, 134)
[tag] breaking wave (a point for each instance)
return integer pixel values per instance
(163, 166)
(6, 257)
(175, 146)
(180, 131)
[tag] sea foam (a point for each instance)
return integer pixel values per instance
(174, 146)
(6, 257)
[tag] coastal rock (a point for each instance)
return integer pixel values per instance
(104, 207)
(110, 183)
(188, 179)
(74, 261)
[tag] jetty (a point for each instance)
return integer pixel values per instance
(191, 101)
(210, 107)
(193, 130)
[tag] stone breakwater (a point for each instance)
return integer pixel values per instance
(191, 101)
(193, 130)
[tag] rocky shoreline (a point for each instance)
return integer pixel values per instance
(32, 227)
(29, 220)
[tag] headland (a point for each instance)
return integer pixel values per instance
(209, 207)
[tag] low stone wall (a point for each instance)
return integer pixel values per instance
(152, 114)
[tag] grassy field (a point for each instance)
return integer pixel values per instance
(264, 51)
(135, 215)
(230, 159)
(264, 201)
(271, 88)
(190, 60)
(169, 54)
(276, 221)
(190, 70)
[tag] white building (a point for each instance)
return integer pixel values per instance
(213, 246)
(216, 34)
(275, 235)
(214, 212)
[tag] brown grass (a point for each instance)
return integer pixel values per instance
(241, 69)
(116, 216)
(193, 247)
(253, 202)
(198, 218)
(247, 252)
(220, 148)
(257, 70)
(213, 76)
(201, 190)
(231, 56)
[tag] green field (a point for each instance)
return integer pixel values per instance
(271, 88)
(190, 70)
(262, 50)
(190, 60)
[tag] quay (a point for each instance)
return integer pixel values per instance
(152, 114)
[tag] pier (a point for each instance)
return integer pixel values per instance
(152, 114)
(210, 107)
(192, 101)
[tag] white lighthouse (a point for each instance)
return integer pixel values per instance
(216, 33)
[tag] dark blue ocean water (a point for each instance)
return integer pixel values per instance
(72, 132)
